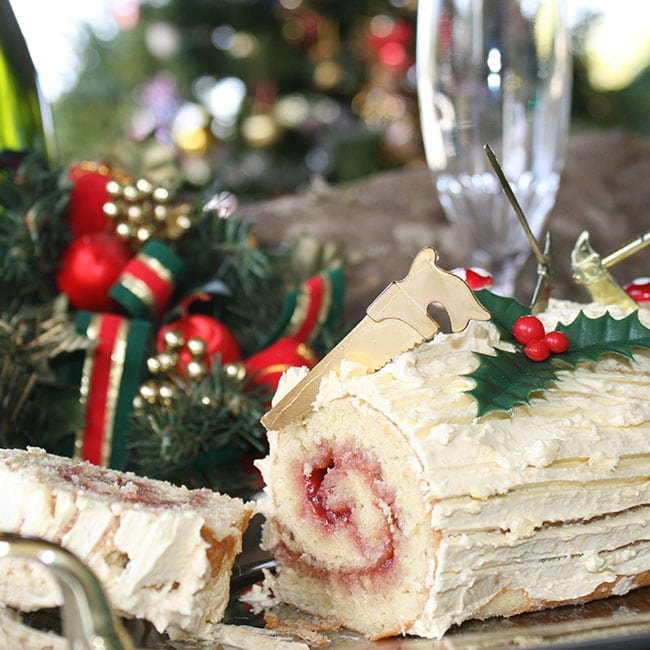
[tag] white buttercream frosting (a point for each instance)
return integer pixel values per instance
(548, 504)
(163, 553)
(423, 392)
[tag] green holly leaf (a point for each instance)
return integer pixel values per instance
(505, 311)
(511, 378)
(508, 379)
(591, 338)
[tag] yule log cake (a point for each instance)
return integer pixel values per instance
(464, 480)
(163, 553)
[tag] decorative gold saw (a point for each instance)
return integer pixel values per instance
(396, 321)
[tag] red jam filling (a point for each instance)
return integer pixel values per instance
(334, 513)
(130, 488)
(330, 514)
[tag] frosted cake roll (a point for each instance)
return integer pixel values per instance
(393, 509)
(163, 553)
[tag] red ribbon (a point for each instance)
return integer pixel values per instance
(314, 290)
(102, 371)
(266, 366)
(109, 380)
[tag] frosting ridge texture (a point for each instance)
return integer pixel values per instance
(473, 517)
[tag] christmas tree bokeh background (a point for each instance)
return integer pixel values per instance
(268, 94)
(223, 102)
(264, 95)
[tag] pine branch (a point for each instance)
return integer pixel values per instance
(36, 407)
(33, 232)
(185, 441)
(255, 276)
(206, 424)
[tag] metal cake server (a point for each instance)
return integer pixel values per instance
(396, 321)
(89, 623)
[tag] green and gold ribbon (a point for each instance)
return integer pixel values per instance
(148, 281)
(109, 379)
(317, 303)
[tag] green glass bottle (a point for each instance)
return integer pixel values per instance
(25, 120)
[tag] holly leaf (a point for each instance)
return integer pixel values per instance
(505, 311)
(591, 338)
(508, 379)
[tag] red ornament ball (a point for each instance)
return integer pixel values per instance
(87, 199)
(528, 328)
(537, 350)
(557, 342)
(90, 266)
(266, 366)
(219, 340)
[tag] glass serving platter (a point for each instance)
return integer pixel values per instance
(615, 622)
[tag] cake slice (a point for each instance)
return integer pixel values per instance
(163, 553)
(392, 508)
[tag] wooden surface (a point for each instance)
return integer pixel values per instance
(385, 219)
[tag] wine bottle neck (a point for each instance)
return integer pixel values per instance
(25, 120)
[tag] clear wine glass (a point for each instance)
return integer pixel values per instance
(497, 73)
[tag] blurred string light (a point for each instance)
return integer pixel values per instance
(390, 39)
(238, 44)
(228, 108)
(617, 47)
(162, 40)
(158, 102)
(386, 103)
(126, 13)
(223, 99)
(223, 111)
(190, 128)
(292, 111)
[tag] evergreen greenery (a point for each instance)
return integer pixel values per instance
(215, 419)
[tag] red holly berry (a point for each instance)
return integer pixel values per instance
(537, 350)
(557, 342)
(90, 266)
(528, 328)
(474, 277)
(478, 279)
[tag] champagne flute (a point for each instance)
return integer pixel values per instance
(497, 73)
